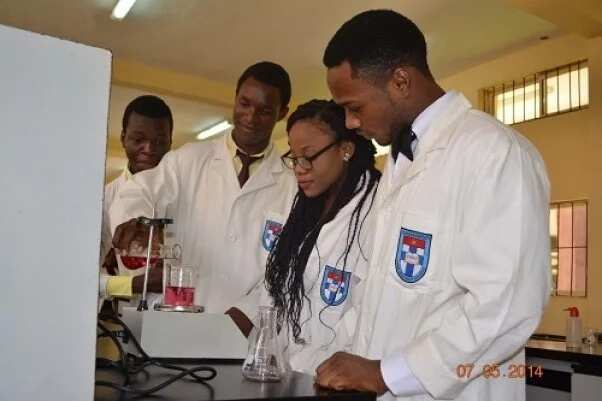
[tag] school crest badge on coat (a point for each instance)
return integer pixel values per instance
(335, 286)
(271, 231)
(412, 256)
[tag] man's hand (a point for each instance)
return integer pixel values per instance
(155, 281)
(110, 263)
(244, 324)
(127, 232)
(344, 371)
(134, 231)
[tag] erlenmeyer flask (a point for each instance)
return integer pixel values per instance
(264, 361)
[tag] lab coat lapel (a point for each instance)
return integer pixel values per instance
(435, 139)
(222, 165)
(266, 174)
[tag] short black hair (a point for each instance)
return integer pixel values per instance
(271, 74)
(376, 42)
(148, 106)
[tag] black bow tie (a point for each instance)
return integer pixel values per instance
(403, 144)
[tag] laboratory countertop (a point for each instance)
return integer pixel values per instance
(229, 384)
(586, 359)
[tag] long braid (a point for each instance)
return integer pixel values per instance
(287, 262)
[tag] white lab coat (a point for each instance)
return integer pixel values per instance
(480, 190)
(110, 193)
(329, 320)
(221, 227)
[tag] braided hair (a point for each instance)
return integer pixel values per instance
(287, 261)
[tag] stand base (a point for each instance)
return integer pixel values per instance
(185, 335)
(179, 308)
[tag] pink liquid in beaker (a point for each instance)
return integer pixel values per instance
(136, 262)
(179, 296)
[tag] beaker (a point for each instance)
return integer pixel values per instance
(179, 283)
(264, 362)
(135, 256)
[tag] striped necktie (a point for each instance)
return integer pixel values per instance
(246, 161)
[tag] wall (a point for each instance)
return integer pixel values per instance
(571, 145)
(54, 98)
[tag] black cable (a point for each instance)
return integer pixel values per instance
(142, 392)
(122, 366)
(130, 364)
(145, 357)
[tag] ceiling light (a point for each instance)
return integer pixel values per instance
(214, 130)
(122, 8)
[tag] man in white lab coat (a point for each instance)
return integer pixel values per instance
(460, 274)
(228, 196)
(147, 127)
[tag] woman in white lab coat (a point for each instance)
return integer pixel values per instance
(316, 270)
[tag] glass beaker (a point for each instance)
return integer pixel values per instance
(264, 362)
(135, 256)
(179, 283)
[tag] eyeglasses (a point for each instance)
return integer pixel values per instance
(305, 162)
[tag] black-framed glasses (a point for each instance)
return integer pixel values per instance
(305, 162)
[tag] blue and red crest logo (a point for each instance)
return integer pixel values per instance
(412, 257)
(271, 231)
(335, 286)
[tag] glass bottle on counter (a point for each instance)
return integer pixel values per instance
(264, 362)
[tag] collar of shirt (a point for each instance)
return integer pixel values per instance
(232, 147)
(424, 120)
(127, 174)
(420, 126)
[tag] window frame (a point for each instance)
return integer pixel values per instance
(557, 205)
(539, 80)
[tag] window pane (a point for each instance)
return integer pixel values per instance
(584, 85)
(519, 103)
(531, 101)
(579, 271)
(503, 106)
(554, 268)
(551, 93)
(538, 97)
(554, 227)
(564, 100)
(580, 224)
(574, 78)
(565, 226)
(564, 271)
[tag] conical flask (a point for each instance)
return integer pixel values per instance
(264, 361)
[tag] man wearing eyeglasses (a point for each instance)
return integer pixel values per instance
(228, 196)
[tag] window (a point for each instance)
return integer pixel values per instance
(546, 93)
(568, 235)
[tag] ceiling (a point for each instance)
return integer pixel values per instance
(217, 39)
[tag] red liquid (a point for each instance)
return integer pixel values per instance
(179, 296)
(136, 262)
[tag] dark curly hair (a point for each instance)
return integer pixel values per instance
(287, 260)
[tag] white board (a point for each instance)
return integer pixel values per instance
(54, 98)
